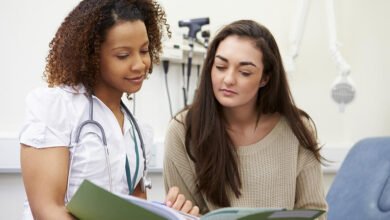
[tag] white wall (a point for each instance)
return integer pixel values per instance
(362, 29)
(362, 26)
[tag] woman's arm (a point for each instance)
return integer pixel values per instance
(45, 173)
(310, 191)
(178, 178)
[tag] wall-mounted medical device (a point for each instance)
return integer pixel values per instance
(194, 26)
(343, 90)
(188, 51)
(178, 52)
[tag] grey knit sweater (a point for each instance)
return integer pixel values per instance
(275, 172)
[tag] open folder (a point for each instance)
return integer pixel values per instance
(92, 202)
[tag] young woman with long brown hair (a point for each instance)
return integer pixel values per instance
(243, 141)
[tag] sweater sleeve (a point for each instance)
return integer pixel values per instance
(178, 167)
(310, 188)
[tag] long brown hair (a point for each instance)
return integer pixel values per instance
(74, 51)
(207, 141)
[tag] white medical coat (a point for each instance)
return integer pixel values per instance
(52, 118)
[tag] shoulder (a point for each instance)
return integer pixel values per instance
(45, 101)
(306, 159)
(177, 123)
(181, 116)
(305, 155)
(309, 124)
(175, 152)
(49, 117)
(304, 119)
(43, 95)
(284, 131)
(304, 123)
(49, 101)
(51, 95)
(175, 135)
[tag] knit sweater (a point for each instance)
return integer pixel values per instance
(275, 172)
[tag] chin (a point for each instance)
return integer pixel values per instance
(133, 89)
(228, 103)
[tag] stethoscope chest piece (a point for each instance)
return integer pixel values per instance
(146, 183)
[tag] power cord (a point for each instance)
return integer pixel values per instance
(166, 67)
(183, 67)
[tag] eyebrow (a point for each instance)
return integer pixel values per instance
(126, 47)
(242, 63)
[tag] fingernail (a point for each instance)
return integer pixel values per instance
(169, 203)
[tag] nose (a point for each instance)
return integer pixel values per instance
(140, 63)
(229, 78)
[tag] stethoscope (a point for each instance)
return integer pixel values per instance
(145, 182)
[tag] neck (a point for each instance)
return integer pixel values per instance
(240, 117)
(111, 99)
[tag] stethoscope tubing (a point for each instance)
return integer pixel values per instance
(135, 124)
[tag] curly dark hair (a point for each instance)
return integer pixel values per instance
(74, 51)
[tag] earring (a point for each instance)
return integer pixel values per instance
(262, 84)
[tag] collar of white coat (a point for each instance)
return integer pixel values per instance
(78, 89)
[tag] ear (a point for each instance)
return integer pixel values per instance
(264, 80)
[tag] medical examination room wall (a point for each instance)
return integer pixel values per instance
(27, 27)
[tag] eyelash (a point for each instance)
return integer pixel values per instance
(122, 57)
(246, 74)
(222, 68)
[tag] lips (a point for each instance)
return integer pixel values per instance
(228, 92)
(136, 79)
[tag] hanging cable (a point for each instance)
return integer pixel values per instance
(166, 67)
(194, 26)
(183, 67)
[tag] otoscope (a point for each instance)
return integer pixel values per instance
(194, 26)
(206, 36)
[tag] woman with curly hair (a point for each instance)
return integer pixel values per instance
(103, 49)
(243, 142)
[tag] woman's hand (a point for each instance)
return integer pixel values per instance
(178, 201)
